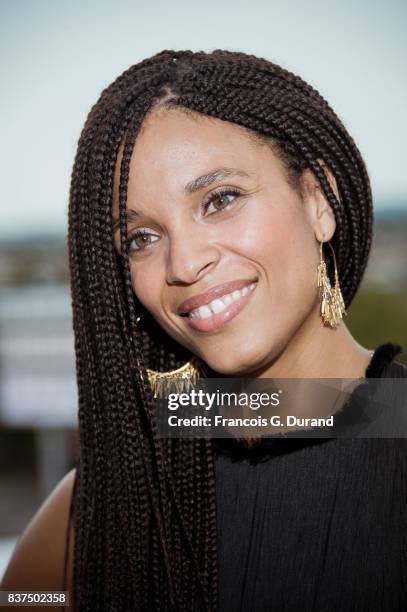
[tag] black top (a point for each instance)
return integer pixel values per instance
(314, 525)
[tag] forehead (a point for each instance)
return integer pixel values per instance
(182, 131)
(174, 146)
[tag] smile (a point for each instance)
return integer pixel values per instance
(220, 311)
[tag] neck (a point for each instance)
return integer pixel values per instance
(317, 351)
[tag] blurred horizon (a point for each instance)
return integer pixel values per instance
(386, 209)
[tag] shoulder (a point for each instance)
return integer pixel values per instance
(37, 562)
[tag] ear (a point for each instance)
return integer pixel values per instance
(317, 207)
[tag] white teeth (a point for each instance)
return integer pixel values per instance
(219, 304)
(204, 312)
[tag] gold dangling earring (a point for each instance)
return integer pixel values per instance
(180, 380)
(332, 303)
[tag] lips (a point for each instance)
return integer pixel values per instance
(215, 292)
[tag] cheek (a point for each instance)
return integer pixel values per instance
(284, 246)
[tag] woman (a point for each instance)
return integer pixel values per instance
(200, 175)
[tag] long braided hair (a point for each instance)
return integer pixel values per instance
(144, 507)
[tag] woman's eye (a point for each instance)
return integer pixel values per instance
(221, 200)
(141, 239)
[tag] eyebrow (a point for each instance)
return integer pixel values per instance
(214, 175)
(193, 186)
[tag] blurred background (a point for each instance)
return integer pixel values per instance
(57, 57)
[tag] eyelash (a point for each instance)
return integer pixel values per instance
(222, 191)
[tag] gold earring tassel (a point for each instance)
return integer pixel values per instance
(176, 381)
(321, 273)
(332, 307)
(338, 295)
(180, 380)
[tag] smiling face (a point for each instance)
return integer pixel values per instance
(214, 206)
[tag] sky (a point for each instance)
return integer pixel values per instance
(58, 56)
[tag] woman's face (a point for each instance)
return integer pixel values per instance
(214, 208)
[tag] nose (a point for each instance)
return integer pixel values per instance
(189, 257)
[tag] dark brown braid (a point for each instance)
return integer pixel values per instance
(143, 507)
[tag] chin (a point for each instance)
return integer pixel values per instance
(237, 364)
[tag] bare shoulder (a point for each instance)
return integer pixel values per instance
(37, 562)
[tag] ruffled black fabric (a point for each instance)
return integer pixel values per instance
(315, 525)
(383, 355)
(279, 444)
